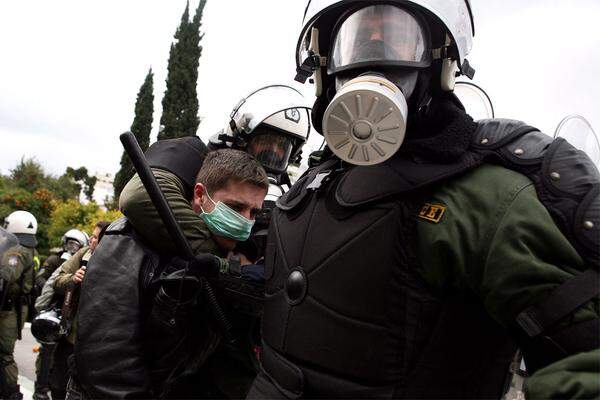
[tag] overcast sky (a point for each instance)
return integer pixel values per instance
(70, 70)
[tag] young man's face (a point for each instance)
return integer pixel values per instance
(244, 198)
(94, 239)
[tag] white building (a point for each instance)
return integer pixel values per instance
(103, 189)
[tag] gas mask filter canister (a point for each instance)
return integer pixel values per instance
(365, 123)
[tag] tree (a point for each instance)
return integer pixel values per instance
(71, 214)
(141, 128)
(180, 102)
(29, 188)
(81, 175)
(29, 175)
(39, 202)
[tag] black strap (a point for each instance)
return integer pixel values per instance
(308, 67)
(544, 350)
(561, 302)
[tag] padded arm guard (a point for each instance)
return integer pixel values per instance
(568, 184)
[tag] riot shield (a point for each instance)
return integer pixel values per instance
(475, 100)
(579, 132)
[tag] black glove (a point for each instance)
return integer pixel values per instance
(186, 276)
(204, 265)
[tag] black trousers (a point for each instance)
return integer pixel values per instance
(43, 366)
(60, 370)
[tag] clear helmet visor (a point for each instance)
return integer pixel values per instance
(383, 35)
(271, 149)
(72, 246)
(579, 132)
(455, 15)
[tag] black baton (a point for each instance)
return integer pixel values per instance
(159, 201)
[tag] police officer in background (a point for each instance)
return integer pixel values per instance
(71, 242)
(66, 285)
(272, 123)
(17, 279)
(409, 262)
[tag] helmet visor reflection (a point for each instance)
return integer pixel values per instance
(271, 150)
(381, 34)
(72, 246)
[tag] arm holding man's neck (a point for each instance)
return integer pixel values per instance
(136, 205)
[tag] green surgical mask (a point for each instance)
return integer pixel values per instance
(223, 221)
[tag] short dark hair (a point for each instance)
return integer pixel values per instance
(225, 165)
(102, 225)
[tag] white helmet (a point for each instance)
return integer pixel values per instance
(372, 63)
(23, 225)
(78, 239)
(322, 18)
(271, 123)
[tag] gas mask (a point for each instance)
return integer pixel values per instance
(365, 122)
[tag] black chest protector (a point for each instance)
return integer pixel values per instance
(347, 316)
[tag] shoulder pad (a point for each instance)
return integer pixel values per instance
(566, 180)
(491, 133)
(513, 140)
(572, 184)
(498, 132)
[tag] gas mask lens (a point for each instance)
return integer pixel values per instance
(380, 35)
(272, 150)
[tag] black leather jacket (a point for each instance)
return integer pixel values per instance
(133, 340)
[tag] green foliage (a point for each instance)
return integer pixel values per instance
(71, 214)
(30, 176)
(28, 187)
(141, 128)
(39, 202)
(28, 173)
(180, 102)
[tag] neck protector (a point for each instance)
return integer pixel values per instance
(443, 134)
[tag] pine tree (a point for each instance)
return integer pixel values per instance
(180, 102)
(141, 127)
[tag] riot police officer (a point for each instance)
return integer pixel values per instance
(17, 279)
(425, 244)
(71, 242)
(272, 123)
